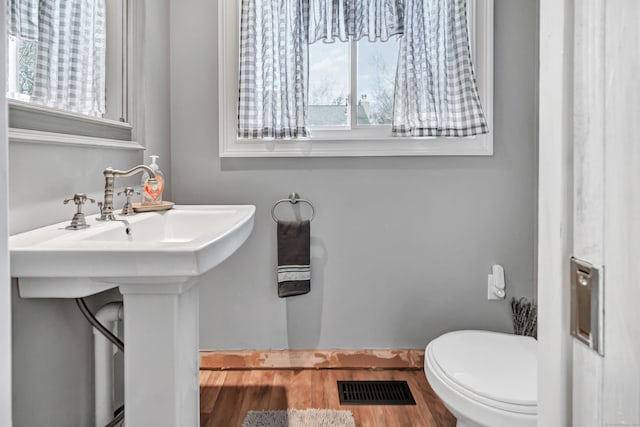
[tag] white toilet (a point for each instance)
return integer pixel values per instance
(485, 378)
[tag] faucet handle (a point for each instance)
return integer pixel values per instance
(127, 208)
(79, 199)
(128, 192)
(78, 222)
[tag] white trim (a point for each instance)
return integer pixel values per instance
(126, 61)
(39, 137)
(12, 66)
(135, 26)
(115, 71)
(555, 211)
(135, 67)
(352, 97)
(325, 145)
(589, 123)
(56, 113)
(360, 148)
(6, 372)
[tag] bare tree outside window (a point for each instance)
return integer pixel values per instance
(330, 83)
(376, 77)
(382, 109)
(27, 53)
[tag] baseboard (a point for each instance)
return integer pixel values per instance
(403, 359)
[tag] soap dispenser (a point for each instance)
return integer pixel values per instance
(152, 194)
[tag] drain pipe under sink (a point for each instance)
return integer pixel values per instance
(109, 314)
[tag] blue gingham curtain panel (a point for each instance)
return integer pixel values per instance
(71, 51)
(274, 69)
(435, 90)
(347, 20)
(22, 18)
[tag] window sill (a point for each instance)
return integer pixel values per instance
(27, 116)
(401, 147)
(52, 112)
(40, 137)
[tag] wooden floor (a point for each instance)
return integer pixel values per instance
(226, 396)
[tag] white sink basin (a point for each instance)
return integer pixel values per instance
(156, 267)
(186, 241)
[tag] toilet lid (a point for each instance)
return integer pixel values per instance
(500, 367)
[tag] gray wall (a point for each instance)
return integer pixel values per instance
(401, 247)
(52, 343)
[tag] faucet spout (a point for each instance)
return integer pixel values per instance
(110, 174)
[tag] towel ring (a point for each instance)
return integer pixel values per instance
(293, 199)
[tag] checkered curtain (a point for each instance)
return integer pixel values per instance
(435, 90)
(23, 18)
(274, 69)
(71, 52)
(346, 20)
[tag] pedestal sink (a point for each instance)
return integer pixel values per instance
(155, 259)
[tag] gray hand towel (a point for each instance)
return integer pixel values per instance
(294, 259)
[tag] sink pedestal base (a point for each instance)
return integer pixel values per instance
(161, 358)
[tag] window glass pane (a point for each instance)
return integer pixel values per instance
(26, 65)
(328, 84)
(376, 77)
(21, 68)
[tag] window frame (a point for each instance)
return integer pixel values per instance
(360, 142)
(33, 123)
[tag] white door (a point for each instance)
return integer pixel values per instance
(606, 205)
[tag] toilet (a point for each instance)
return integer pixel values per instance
(486, 379)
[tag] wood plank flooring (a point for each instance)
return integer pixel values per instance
(226, 396)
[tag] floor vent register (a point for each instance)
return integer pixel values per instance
(375, 393)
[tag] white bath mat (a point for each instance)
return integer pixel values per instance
(299, 418)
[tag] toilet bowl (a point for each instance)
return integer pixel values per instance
(486, 379)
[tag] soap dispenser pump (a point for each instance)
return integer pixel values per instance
(152, 194)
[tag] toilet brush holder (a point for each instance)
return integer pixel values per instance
(525, 317)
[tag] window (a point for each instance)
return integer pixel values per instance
(68, 70)
(351, 85)
(350, 97)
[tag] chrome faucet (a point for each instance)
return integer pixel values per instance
(110, 174)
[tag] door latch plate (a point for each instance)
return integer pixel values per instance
(586, 304)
